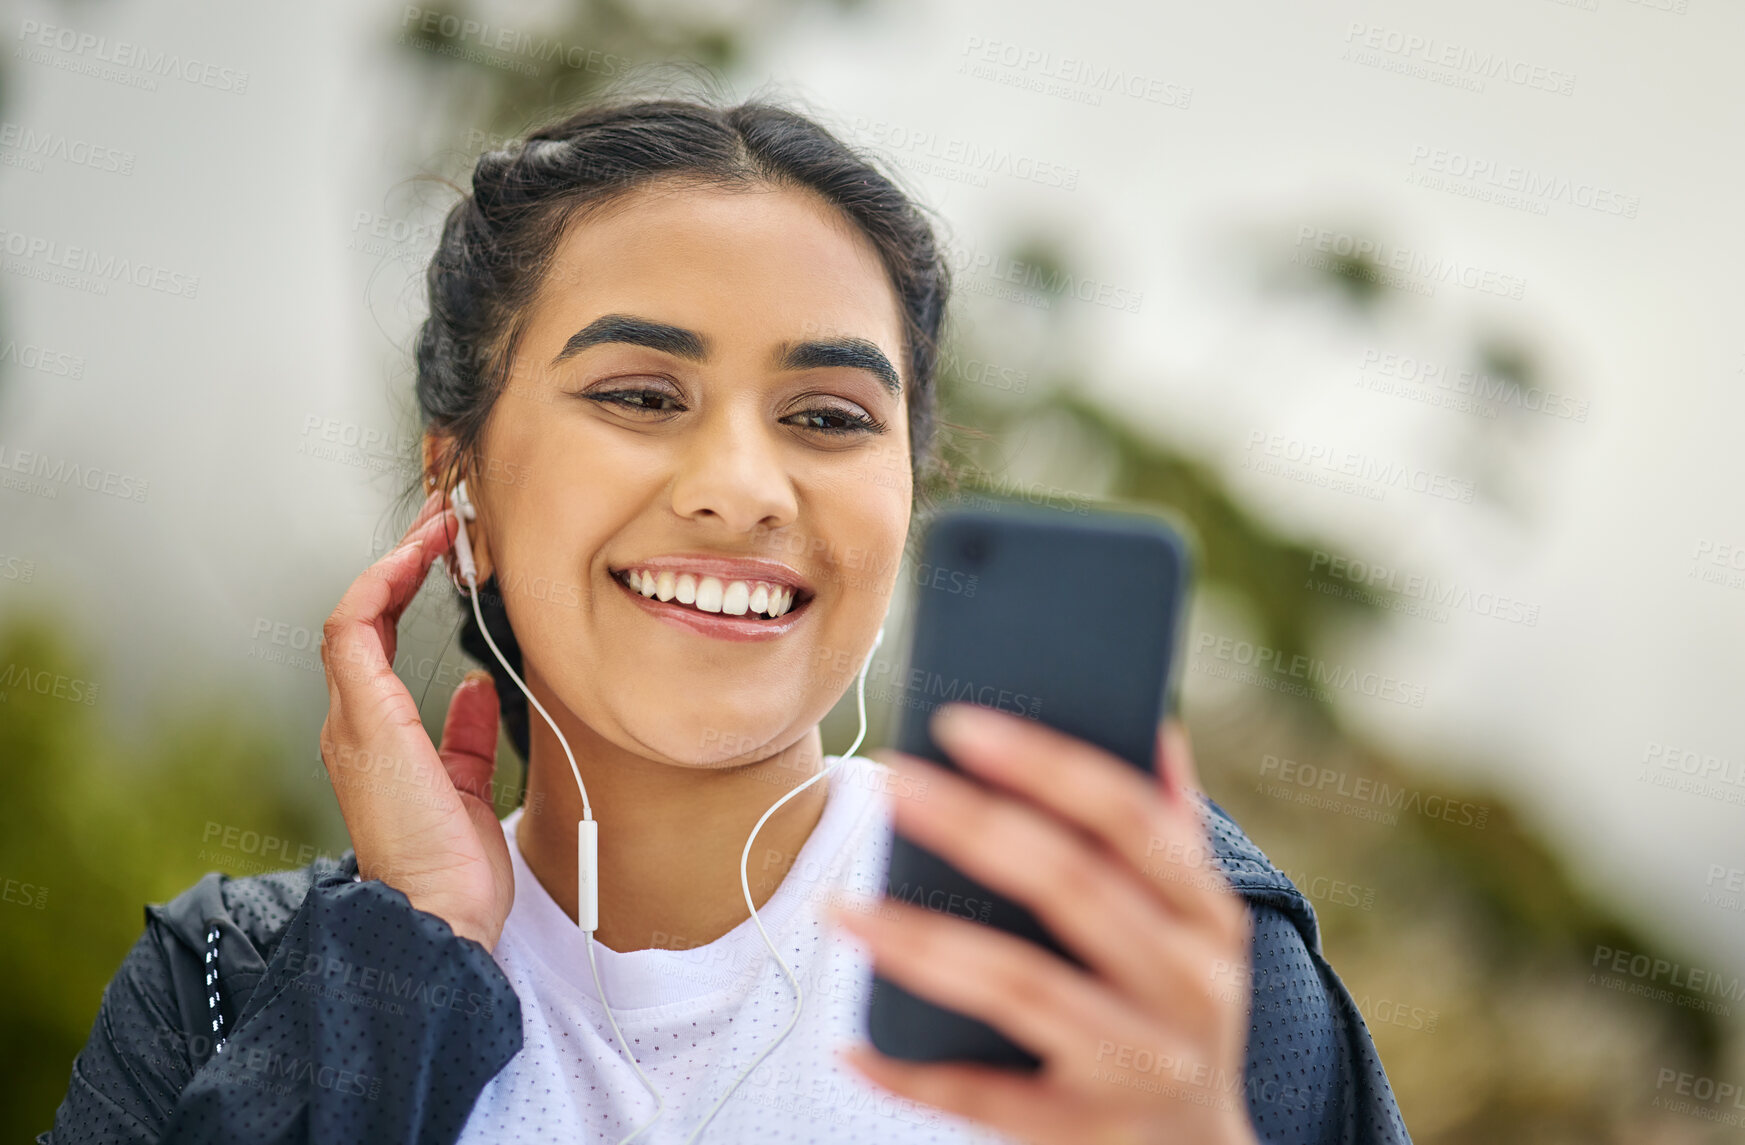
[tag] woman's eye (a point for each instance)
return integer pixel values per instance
(650, 400)
(828, 420)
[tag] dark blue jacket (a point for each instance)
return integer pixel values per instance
(346, 1014)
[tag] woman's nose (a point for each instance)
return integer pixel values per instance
(732, 470)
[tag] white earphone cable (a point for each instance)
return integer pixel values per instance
(745, 885)
(587, 813)
(471, 580)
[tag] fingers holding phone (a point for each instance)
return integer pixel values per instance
(1070, 832)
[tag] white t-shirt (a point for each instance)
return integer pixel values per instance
(697, 1017)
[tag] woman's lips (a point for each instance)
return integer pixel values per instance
(721, 626)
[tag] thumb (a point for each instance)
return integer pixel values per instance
(469, 735)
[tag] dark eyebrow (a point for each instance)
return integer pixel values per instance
(675, 340)
(853, 353)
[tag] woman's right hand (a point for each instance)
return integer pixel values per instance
(420, 817)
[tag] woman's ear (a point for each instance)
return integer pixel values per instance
(435, 450)
(443, 470)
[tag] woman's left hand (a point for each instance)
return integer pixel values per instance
(1146, 1042)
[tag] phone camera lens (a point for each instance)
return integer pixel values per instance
(975, 549)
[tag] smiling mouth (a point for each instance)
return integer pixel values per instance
(752, 600)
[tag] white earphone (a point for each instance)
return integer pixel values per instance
(587, 830)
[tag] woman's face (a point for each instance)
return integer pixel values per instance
(696, 410)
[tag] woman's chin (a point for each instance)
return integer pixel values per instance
(728, 742)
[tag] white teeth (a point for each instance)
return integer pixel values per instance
(709, 594)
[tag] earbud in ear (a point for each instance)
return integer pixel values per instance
(463, 547)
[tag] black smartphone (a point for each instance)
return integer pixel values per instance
(1069, 616)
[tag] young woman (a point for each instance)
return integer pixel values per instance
(683, 357)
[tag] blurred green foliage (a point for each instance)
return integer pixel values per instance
(103, 824)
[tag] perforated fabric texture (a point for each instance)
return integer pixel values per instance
(352, 1016)
(1313, 1075)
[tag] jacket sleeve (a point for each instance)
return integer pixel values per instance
(369, 1020)
(1312, 1076)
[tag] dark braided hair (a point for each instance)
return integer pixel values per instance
(498, 241)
